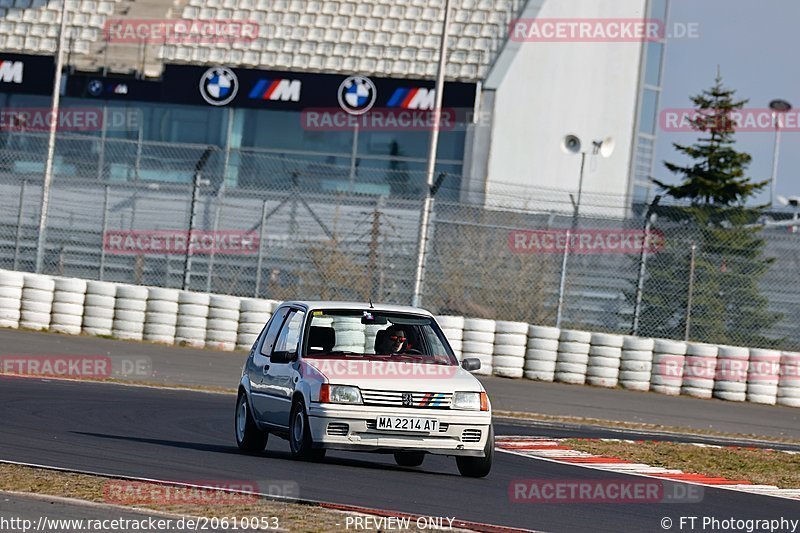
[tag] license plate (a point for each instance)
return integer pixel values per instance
(404, 423)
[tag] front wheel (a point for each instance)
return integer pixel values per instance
(301, 444)
(249, 438)
(478, 466)
(409, 458)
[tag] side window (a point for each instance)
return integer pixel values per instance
(436, 345)
(272, 332)
(289, 337)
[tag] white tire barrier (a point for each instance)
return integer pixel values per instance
(223, 322)
(98, 308)
(572, 359)
(478, 343)
(453, 330)
(253, 316)
(730, 376)
(669, 358)
(503, 327)
(161, 315)
(36, 301)
(699, 370)
(541, 353)
(508, 349)
(450, 322)
(543, 332)
(510, 345)
(129, 312)
(636, 363)
(763, 375)
(68, 298)
(789, 381)
(190, 327)
(351, 334)
(605, 356)
(10, 298)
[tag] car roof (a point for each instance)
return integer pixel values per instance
(361, 306)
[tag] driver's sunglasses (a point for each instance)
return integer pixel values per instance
(397, 338)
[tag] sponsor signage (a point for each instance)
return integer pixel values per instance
(84, 85)
(354, 93)
(20, 73)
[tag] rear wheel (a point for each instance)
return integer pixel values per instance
(300, 442)
(249, 438)
(478, 466)
(409, 458)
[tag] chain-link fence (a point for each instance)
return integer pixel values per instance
(305, 227)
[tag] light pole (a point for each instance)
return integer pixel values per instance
(779, 107)
(427, 205)
(572, 145)
(51, 141)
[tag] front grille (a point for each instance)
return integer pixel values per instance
(443, 426)
(471, 435)
(425, 400)
(338, 428)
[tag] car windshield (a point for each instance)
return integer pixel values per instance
(377, 335)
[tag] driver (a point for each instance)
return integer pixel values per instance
(394, 340)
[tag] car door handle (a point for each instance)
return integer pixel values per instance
(265, 369)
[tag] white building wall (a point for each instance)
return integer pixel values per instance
(548, 90)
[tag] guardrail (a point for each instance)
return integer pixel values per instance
(507, 349)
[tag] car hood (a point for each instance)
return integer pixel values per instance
(393, 375)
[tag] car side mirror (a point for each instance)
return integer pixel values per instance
(471, 363)
(282, 357)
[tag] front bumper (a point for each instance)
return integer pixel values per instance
(457, 435)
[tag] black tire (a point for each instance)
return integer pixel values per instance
(409, 458)
(478, 466)
(301, 445)
(249, 438)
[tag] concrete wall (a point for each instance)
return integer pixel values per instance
(542, 91)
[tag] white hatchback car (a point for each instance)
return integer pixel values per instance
(352, 376)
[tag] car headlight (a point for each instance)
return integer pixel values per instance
(340, 394)
(467, 400)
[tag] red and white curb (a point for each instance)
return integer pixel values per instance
(550, 449)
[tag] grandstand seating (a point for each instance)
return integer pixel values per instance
(382, 37)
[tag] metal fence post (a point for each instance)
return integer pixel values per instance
(260, 248)
(217, 212)
(101, 156)
(690, 296)
(187, 260)
(105, 230)
(19, 222)
(563, 280)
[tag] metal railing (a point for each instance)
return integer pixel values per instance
(312, 231)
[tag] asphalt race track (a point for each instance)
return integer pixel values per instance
(173, 365)
(188, 436)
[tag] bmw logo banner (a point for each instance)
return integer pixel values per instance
(219, 85)
(353, 93)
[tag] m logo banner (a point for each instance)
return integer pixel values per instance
(11, 71)
(416, 98)
(282, 89)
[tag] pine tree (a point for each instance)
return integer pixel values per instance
(710, 213)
